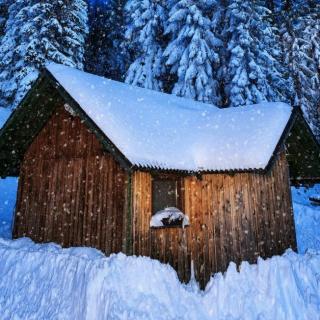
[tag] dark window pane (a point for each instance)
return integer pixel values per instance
(164, 194)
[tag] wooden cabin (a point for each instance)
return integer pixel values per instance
(107, 165)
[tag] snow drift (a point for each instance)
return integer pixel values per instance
(47, 282)
(8, 192)
(307, 218)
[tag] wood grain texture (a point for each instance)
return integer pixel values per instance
(232, 218)
(71, 191)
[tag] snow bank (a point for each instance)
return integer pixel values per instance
(8, 192)
(307, 218)
(47, 282)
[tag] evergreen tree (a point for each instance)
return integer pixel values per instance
(105, 54)
(278, 75)
(96, 48)
(311, 34)
(4, 6)
(38, 32)
(145, 30)
(217, 27)
(301, 40)
(252, 73)
(192, 53)
(73, 16)
(271, 5)
(118, 55)
(8, 48)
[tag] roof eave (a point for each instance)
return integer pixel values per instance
(196, 172)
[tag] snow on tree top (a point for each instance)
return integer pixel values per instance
(157, 130)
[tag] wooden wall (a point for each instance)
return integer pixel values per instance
(232, 218)
(70, 191)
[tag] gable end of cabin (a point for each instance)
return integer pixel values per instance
(71, 191)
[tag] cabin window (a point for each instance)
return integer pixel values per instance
(164, 194)
(167, 203)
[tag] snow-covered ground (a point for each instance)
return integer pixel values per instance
(307, 218)
(47, 282)
(8, 190)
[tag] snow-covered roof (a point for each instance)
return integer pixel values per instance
(157, 130)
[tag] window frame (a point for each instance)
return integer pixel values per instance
(179, 190)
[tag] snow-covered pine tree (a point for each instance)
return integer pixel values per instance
(8, 47)
(301, 40)
(105, 54)
(96, 55)
(312, 31)
(145, 30)
(311, 35)
(271, 5)
(119, 58)
(278, 75)
(73, 15)
(4, 6)
(38, 32)
(252, 72)
(217, 27)
(192, 53)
